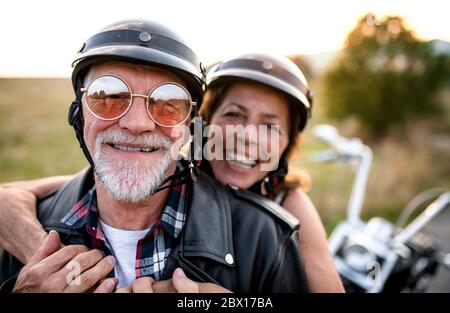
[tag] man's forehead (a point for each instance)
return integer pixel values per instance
(121, 67)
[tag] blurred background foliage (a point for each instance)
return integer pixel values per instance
(393, 91)
(385, 86)
(386, 78)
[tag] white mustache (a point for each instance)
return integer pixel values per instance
(118, 137)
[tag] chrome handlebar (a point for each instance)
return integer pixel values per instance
(348, 151)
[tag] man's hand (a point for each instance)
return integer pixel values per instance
(73, 268)
(140, 285)
(21, 234)
(179, 283)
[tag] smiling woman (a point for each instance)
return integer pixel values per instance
(267, 93)
(257, 91)
(249, 104)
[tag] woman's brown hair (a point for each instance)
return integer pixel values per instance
(215, 95)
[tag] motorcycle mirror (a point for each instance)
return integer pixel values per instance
(325, 133)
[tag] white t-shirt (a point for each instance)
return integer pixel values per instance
(123, 245)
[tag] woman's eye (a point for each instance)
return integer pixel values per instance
(233, 114)
(274, 127)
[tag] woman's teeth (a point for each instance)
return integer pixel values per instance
(241, 164)
(240, 160)
(134, 149)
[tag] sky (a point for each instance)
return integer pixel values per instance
(40, 38)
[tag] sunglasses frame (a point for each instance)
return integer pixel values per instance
(147, 105)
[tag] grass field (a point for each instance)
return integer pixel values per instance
(36, 141)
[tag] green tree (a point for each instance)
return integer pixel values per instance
(384, 76)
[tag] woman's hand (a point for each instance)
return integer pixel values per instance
(21, 234)
(20, 231)
(39, 187)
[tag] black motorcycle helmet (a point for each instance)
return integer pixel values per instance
(279, 73)
(276, 72)
(141, 42)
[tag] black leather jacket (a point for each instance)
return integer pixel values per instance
(232, 237)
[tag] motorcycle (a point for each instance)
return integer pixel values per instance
(378, 255)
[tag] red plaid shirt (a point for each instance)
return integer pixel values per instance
(154, 248)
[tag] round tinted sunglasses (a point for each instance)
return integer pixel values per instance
(109, 98)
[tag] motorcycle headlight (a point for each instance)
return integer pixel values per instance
(358, 257)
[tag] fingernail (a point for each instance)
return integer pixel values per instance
(49, 234)
(110, 259)
(180, 272)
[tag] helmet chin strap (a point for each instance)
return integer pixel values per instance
(76, 121)
(267, 185)
(189, 173)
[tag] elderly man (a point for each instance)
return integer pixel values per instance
(135, 220)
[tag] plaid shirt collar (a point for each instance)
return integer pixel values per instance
(85, 212)
(154, 248)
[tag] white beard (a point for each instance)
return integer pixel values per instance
(131, 180)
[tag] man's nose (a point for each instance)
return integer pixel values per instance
(137, 120)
